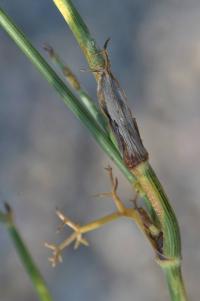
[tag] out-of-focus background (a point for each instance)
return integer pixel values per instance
(49, 160)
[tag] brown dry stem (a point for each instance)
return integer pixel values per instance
(78, 231)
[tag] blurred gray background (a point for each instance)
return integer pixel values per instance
(48, 159)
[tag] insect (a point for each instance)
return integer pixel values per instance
(113, 103)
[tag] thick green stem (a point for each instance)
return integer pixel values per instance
(175, 283)
(152, 187)
(171, 250)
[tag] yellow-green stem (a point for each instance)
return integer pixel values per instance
(171, 261)
(81, 32)
(151, 186)
(175, 282)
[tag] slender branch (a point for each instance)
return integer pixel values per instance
(25, 256)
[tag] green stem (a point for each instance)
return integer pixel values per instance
(88, 45)
(175, 283)
(171, 262)
(30, 265)
(28, 262)
(79, 110)
(152, 187)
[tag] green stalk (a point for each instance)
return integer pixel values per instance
(27, 260)
(152, 187)
(171, 263)
(79, 109)
(148, 183)
(177, 290)
(88, 45)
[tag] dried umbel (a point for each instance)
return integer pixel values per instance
(114, 105)
(136, 213)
